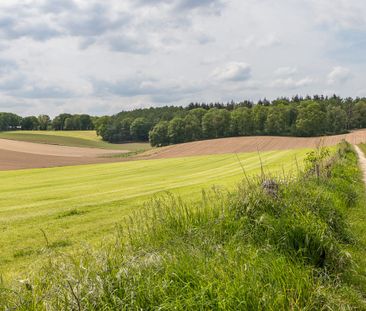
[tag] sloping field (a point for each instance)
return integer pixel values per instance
(83, 203)
(85, 139)
(252, 144)
(22, 155)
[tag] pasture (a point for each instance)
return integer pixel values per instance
(63, 207)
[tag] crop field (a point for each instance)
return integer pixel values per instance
(63, 207)
(71, 138)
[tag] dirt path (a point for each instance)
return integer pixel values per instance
(362, 161)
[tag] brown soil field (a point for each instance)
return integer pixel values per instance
(251, 144)
(23, 155)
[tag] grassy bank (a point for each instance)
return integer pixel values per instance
(71, 138)
(83, 203)
(277, 245)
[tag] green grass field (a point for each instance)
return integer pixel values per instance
(72, 139)
(76, 204)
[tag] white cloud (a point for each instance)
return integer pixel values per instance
(104, 56)
(338, 75)
(291, 83)
(234, 71)
(285, 71)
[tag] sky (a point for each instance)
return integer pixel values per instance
(101, 57)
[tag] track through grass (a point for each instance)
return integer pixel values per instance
(63, 207)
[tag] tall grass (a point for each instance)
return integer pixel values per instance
(272, 244)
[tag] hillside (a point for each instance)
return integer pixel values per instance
(86, 139)
(83, 203)
(253, 144)
(296, 245)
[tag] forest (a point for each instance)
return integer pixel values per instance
(296, 116)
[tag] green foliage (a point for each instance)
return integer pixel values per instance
(30, 123)
(310, 120)
(176, 130)
(242, 122)
(158, 136)
(44, 122)
(216, 123)
(247, 250)
(9, 121)
(139, 129)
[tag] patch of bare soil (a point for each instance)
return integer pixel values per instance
(22, 155)
(54, 150)
(251, 144)
(362, 161)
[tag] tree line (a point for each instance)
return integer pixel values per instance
(298, 116)
(64, 121)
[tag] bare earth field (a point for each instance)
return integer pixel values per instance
(252, 144)
(23, 155)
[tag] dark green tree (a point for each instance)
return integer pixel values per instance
(44, 121)
(176, 130)
(30, 123)
(193, 128)
(158, 136)
(241, 122)
(139, 129)
(216, 123)
(311, 120)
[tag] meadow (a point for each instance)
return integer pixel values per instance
(272, 243)
(71, 138)
(62, 208)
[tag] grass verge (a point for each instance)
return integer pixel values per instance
(269, 245)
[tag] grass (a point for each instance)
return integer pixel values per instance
(71, 138)
(292, 246)
(84, 203)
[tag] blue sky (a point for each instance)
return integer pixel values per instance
(100, 57)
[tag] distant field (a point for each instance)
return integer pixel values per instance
(254, 143)
(71, 138)
(83, 203)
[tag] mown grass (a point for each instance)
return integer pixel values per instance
(289, 247)
(84, 203)
(71, 138)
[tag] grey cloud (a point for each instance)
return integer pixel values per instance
(183, 4)
(129, 45)
(57, 6)
(158, 91)
(7, 65)
(192, 4)
(44, 92)
(93, 21)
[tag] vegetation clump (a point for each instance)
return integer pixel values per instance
(247, 250)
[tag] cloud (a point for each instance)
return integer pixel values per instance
(7, 65)
(94, 20)
(129, 44)
(338, 75)
(184, 4)
(291, 83)
(234, 71)
(340, 14)
(285, 71)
